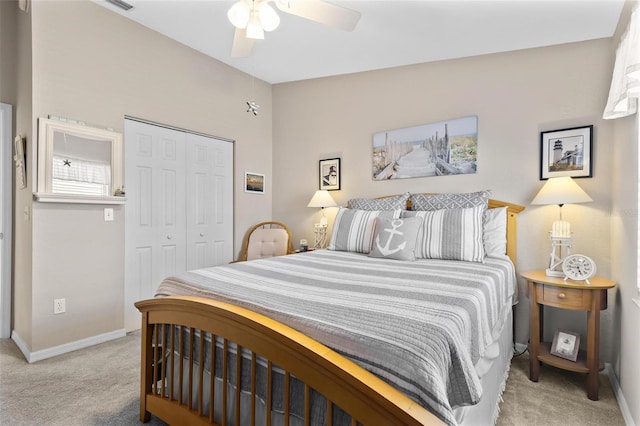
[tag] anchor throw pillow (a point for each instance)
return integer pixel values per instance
(395, 238)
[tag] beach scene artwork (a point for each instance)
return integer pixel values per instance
(445, 148)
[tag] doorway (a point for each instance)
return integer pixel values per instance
(6, 185)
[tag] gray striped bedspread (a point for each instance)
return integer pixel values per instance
(421, 326)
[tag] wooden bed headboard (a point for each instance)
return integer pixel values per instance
(512, 222)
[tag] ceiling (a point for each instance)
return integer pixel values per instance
(389, 33)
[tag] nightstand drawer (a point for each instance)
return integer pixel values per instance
(564, 297)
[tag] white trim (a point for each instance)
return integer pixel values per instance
(65, 348)
(48, 197)
(6, 178)
(617, 391)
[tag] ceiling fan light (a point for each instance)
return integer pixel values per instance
(268, 17)
(239, 14)
(254, 28)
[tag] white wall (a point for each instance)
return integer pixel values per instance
(624, 248)
(624, 254)
(93, 65)
(515, 95)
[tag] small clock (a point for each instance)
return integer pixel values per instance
(579, 267)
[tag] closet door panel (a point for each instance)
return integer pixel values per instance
(209, 201)
(155, 236)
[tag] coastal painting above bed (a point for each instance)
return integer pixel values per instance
(445, 148)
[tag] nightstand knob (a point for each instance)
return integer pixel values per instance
(561, 295)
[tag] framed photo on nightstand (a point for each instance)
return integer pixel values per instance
(566, 345)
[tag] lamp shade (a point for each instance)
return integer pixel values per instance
(322, 199)
(561, 190)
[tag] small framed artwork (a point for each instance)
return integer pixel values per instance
(254, 183)
(566, 345)
(330, 174)
(566, 152)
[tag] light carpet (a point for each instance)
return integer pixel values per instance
(100, 386)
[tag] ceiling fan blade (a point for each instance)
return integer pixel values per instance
(242, 45)
(320, 11)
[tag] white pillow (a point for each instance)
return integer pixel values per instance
(495, 231)
(353, 229)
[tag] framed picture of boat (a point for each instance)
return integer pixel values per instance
(447, 147)
(254, 183)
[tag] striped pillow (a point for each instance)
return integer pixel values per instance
(353, 229)
(452, 234)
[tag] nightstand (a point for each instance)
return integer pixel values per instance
(566, 294)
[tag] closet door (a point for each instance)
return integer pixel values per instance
(209, 201)
(155, 223)
(179, 210)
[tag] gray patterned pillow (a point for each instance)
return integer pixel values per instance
(395, 238)
(353, 229)
(398, 202)
(429, 202)
(453, 234)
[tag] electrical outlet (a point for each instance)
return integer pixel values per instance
(59, 306)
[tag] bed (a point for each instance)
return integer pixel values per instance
(355, 334)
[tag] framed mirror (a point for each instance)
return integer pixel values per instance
(78, 162)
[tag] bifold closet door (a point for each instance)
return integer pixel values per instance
(179, 209)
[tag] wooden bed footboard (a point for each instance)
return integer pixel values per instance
(186, 395)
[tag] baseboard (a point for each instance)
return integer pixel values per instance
(67, 347)
(617, 391)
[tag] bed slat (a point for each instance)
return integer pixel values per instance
(225, 379)
(269, 390)
(212, 387)
(201, 342)
(253, 388)
(238, 382)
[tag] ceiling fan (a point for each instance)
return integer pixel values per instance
(253, 17)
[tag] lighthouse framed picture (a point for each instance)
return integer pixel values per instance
(566, 152)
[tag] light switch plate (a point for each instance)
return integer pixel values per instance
(108, 214)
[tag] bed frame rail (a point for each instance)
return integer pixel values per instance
(177, 397)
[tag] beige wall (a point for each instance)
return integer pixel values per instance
(93, 65)
(624, 254)
(624, 248)
(515, 96)
(8, 50)
(21, 83)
